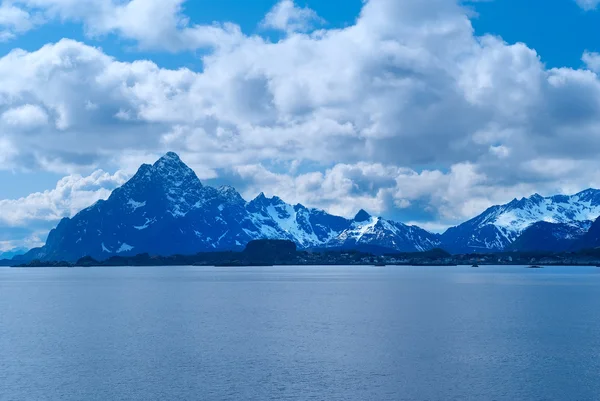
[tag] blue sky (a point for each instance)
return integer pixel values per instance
(424, 111)
(559, 30)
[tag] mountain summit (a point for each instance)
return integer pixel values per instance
(164, 209)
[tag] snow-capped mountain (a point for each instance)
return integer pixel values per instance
(366, 229)
(164, 210)
(500, 226)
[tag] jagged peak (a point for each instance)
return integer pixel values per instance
(145, 171)
(226, 189)
(262, 198)
(362, 215)
(172, 167)
(169, 161)
(229, 192)
(169, 156)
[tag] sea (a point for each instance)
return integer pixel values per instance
(300, 333)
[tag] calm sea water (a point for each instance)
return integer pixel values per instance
(300, 333)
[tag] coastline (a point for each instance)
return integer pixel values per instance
(284, 253)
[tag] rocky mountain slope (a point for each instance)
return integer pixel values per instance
(164, 210)
(549, 237)
(591, 238)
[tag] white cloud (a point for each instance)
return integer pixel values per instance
(31, 240)
(14, 21)
(588, 4)
(591, 60)
(71, 194)
(27, 117)
(153, 24)
(288, 17)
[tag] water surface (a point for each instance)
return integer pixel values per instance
(300, 333)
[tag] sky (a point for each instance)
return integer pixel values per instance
(421, 111)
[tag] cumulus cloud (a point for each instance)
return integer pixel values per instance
(286, 16)
(406, 112)
(591, 60)
(152, 24)
(27, 116)
(14, 21)
(71, 194)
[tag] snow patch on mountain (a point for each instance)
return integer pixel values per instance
(146, 224)
(135, 205)
(359, 229)
(124, 248)
(286, 217)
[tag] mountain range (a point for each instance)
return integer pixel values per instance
(164, 209)
(521, 224)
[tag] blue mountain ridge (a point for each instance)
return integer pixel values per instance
(164, 209)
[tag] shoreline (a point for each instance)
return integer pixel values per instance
(482, 266)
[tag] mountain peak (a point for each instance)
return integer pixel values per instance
(172, 168)
(169, 159)
(226, 189)
(230, 193)
(262, 198)
(362, 215)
